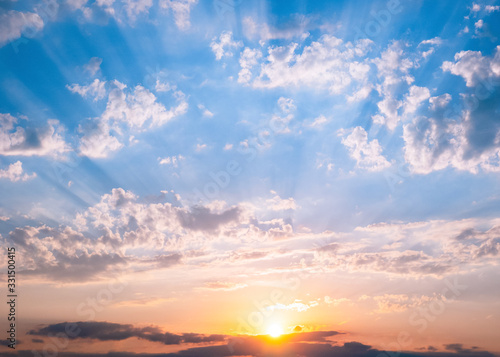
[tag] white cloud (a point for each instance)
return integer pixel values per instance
(94, 65)
(228, 147)
(474, 67)
(205, 112)
(388, 108)
(279, 204)
(286, 105)
(224, 46)
(163, 87)
(201, 147)
(140, 108)
(440, 101)
(17, 140)
(181, 10)
(433, 41)
(479, 24)
(326, 63)
(97, 141)
(97, 89)
(127, 111)
(248, 59)
(13, 24)
(76, 4)
(15, 173)
(171, 160)
(318, 122)
(134, 8)
(361, 94)
(297, 305)
(368, 154)
(415, 97)
(432, 145)
(476, 7)
(491, 8)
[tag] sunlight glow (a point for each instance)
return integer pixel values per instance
(275, 330)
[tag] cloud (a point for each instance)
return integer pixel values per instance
(97, 141)
(441, 101)
(425, 248)
(15, 173)
(201, 218)
(139, 108)
(96, 89)
(224, 46)
(325, 63)
(433, 41)
(492, 8)
(171, 160)
(13, 24)
(368, 154)
(134, 8)
(93, 66)
(107, 331)
(264, 32)
(297, 305)
(127, 111)
(279, 204)
(249, 58)
(473, 67)
(437, 142)
(181, 10)
(19, 141)
(414, 98)
(224, 286)
(205, 112)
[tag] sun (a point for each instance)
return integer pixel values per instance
(275, 330)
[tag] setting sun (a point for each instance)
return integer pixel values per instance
(275, 330)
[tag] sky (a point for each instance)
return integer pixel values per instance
(251, 178)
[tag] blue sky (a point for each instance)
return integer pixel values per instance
(374, 125)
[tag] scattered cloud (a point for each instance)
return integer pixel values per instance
(368, 154)
(14, 24)
(15, 173)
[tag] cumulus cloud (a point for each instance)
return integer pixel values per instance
(126, 111)
(13, 24)
(325, 63)
(473, 67)
(415, 97)
(434, 143)
(368, 154)
(28, 141)
(223, 47)
(15, 173)
(96, 89)
(279, 204)
(97, 141)
(441, 101)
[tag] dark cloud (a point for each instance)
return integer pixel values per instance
(202, 219)
(258, 346)
(107, 331)
(79, 268)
